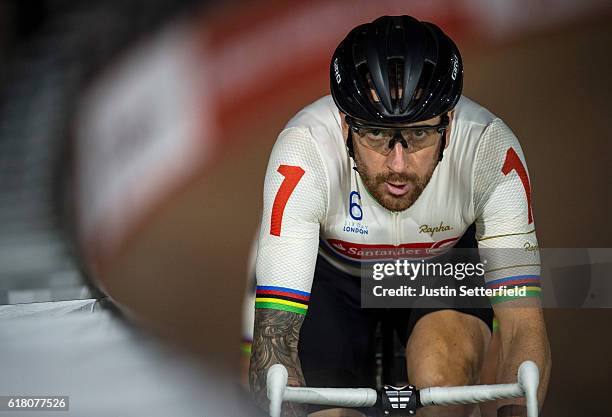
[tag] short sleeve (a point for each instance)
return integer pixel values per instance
(295, 204)
(505, 228)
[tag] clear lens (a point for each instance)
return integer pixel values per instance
(380, 139)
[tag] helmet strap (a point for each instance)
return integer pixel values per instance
(349, 144)
(442, 146)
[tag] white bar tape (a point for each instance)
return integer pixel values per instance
(347, 397)
(527, 386)
(469, 394)
(529, 379)
(276, 384)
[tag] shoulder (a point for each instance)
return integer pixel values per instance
(469, 112)
(488, 131)
(320, 121)
(322, 113)
(316, 127)
(309, 137)
(478, 123)
(473, 126)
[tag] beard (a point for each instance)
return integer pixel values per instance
(375, 184)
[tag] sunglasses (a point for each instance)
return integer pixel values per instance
(382, 139)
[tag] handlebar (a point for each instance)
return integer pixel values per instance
(404, 399)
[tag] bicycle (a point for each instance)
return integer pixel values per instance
(402, 400)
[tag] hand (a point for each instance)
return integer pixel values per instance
(275, 339)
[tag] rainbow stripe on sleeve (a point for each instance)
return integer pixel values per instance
(245, 347)
(281, 298)
(532, 282)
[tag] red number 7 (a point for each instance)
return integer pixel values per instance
(513, 162)
(292, 175)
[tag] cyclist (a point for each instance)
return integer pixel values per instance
(395, 159)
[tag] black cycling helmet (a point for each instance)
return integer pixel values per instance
(396, 70)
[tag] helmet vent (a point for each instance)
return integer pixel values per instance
(418, 99)
(396, 82)
(368, 85)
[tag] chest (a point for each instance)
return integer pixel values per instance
(358, 228)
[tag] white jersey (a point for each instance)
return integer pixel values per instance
(316, 203)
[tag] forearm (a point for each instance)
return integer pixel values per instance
(521, 342)
(275, 340)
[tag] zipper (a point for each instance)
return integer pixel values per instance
(396, 228)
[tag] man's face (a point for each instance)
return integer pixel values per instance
(397, 179)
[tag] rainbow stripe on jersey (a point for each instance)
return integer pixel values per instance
(281, 298)
(245, 347)
(532, 282)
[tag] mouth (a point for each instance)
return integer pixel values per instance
(397, 189)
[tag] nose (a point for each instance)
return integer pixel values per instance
(396, 160)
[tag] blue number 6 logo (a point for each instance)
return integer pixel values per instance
(354, 206)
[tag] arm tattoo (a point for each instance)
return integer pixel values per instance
(275, 340)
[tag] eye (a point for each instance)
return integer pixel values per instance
(419, 133)
(375, 133)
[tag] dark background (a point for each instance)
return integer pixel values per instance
(550, 83)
